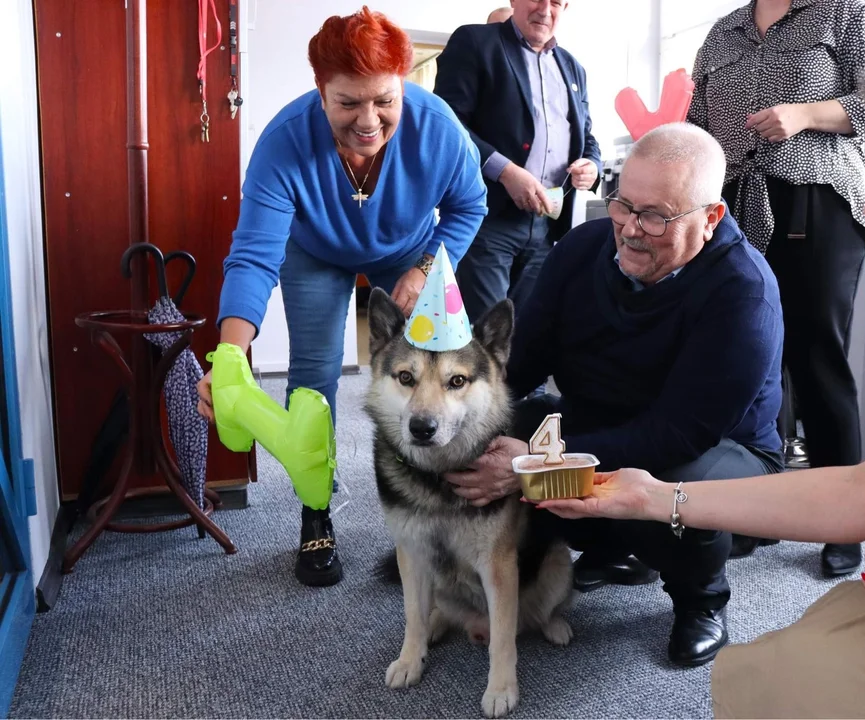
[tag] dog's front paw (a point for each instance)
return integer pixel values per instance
(500, 699)
(404, 672)
(558, 631)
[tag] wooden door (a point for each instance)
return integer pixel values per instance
(194, 196)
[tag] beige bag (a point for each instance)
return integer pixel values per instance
(813, 669)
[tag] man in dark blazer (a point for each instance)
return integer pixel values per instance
(523, 100)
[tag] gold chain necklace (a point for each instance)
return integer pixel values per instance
(360, 195)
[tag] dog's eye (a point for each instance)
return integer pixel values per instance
(457, 381)
(405, 378)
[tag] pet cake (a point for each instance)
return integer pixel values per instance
(548, 472)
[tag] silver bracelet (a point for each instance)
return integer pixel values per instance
(678, 497)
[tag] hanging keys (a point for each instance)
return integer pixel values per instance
(234, 101)
(205, 127)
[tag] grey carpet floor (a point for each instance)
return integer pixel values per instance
(167, 626)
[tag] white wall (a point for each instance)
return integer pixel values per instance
(680, 15)
(684, 24)
(18, 120)
(614, 52)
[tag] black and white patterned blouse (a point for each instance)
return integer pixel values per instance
(815, 52)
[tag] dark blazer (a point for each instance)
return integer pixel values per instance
(482, 75)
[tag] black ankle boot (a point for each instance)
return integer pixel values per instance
(317, 560)
(840, 560)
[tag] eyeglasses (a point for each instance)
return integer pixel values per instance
(650, 222)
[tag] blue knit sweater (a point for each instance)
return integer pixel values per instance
(296, 185)
(654, 378)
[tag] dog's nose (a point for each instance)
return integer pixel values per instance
(422, 428)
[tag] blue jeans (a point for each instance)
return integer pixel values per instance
(316, 296)
(503, 262)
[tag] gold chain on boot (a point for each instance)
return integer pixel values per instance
(320, 544)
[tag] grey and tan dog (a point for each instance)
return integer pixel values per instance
(477, 568)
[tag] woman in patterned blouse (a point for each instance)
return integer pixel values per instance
(781, 85)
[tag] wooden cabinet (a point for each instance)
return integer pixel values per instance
(194, 196)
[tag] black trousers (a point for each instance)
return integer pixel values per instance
(816, 252)
(691, 567)
(787, 416)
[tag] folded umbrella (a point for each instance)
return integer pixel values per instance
(187, 429)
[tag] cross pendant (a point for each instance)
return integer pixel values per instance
(360, 197)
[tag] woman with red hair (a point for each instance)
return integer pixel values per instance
(345, 180)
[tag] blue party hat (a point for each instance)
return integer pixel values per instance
(439, 322)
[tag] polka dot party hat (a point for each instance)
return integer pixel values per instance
(439, 322)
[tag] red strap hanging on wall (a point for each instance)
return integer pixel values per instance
(234, 99)
(203, 52)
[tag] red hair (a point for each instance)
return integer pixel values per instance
(366, 44)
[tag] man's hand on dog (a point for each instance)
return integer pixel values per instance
(491, 476)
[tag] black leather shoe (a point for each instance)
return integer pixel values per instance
(697, 636)
(744, 545)
(590, 574)
(317, 560)
(841, 559)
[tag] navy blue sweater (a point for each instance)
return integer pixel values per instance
(654, 378)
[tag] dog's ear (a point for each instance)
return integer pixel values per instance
(495, 330)
(386, 320)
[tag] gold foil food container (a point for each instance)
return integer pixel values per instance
(573, 479)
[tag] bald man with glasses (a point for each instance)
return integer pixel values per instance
(662, 328)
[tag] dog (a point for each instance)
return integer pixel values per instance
(476, 568)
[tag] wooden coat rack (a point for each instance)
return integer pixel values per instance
(144, 377)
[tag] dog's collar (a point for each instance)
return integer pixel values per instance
(402, 461)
